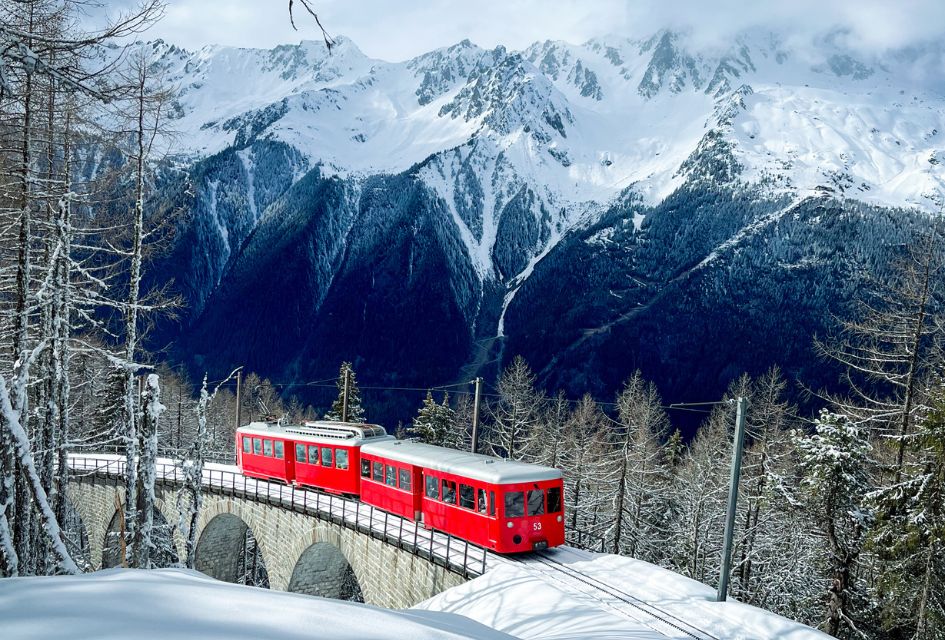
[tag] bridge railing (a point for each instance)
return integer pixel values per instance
(580, 539)
(452, 553)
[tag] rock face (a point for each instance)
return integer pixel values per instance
(595, 208)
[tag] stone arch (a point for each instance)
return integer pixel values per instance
(323, 570)
(163, 537)
(228, 550)
(172, 518)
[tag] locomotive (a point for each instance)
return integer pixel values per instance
(503, 505)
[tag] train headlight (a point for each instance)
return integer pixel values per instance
(509, 524)
(559, 518)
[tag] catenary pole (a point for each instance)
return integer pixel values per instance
(732, 499)
(239, 378)
(344, 399)
(475, 417)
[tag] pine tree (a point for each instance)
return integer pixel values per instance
(355, 410)
(909, 535)
(835, 460)
(427, 426)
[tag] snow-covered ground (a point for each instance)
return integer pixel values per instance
(166, 604)
(568, 594)
(520, 600)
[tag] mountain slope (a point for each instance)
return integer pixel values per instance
(595, 207)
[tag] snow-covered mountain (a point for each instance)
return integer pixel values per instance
(460, 178)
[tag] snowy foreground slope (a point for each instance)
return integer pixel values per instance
(168, 604)
(516, 599)
(533, 603)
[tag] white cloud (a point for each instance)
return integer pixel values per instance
(399, 29)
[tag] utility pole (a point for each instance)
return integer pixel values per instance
(239, 412)
(732, 499)
(475, 424)
(344, 398)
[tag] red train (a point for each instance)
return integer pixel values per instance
(500, 504)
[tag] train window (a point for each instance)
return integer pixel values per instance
(536, 502)
(378, 472)
(247, 445)
(326, 457)
(405, 479)
(492, 503)
(312, 454)
(365, 468)
(341, 458)
(433, 487)
(257, 446)
(300, 452)
(391, 476)
(514, 504)
(481, 500)
(449, 492)
(267, 448)
(467, 499)
(554, 500)
(280, 451)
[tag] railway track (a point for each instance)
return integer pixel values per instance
(659, 620)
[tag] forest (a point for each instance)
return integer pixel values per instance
(841, 516)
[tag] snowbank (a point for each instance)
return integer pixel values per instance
(169, 604)
(538, 601)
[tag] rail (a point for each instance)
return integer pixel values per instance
(452, 553)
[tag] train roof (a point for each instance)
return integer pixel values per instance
(461, 463)
(321, 431)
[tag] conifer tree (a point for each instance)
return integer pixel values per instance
(355, 410)
(835, 460)
(909, 535)
(436, 423)
(518, 411)
(640, 500)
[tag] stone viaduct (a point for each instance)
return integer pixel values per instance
(300, 552)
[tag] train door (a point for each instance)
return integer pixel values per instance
(289, 453)
(489, 495)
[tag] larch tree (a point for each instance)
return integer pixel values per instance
(588, 472)
(48, 79)
(517, 413)
(641, 478)
(700, 489)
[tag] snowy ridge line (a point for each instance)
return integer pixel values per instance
(660, 621)
(452, 553)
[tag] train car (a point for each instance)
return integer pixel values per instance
(324, 455)
(501, 504)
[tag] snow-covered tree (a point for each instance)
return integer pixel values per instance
(588, 472)
(151, 416)
(700, 488)
(835, 462)
(355, 410)
(436, 423)
(640, 502)
(909, 535)
(517, 413)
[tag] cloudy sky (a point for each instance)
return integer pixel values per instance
(399, 29)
